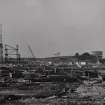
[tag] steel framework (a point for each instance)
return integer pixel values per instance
(10, 52)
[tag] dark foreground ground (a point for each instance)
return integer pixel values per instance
(50, 85)
(52, 93)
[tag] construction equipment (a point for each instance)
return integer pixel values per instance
(31, 51)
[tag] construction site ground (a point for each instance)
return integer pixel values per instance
(50, 93)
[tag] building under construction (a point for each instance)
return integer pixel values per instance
(6, 51)
(59, 80)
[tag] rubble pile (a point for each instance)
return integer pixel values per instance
(85, 90)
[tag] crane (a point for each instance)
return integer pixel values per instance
(31, 51)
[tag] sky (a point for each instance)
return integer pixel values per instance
(50, 26)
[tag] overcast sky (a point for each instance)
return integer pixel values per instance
(50, 26)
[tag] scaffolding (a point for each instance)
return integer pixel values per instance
(12, 53)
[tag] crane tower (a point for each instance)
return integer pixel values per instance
(1, 45)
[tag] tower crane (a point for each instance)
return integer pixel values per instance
(31, 51)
